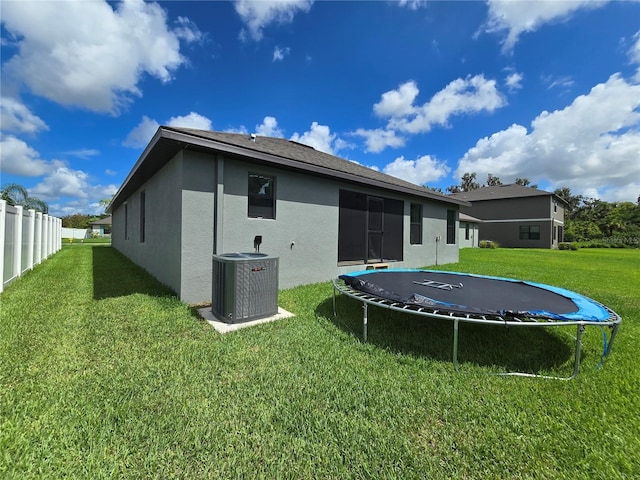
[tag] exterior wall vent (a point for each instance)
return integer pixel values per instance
(245, 286)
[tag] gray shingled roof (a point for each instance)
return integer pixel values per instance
(103, 221)
(512, 190)
(277, 152)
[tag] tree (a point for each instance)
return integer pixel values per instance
(468, 183)
(77, 220)
(104, 203)
(16, 194)
(572, 201)
(493, 181)
(525, 182)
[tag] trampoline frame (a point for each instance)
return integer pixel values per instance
(613, 323)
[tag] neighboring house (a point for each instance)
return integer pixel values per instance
(469, 234)
(102, 227)
(193, 193)
(516, 216)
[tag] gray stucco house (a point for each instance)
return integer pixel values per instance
(516, 216)
(469, 231)
(101, 227)
(194, 193)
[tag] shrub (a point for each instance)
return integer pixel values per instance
(568, 246)
(488, 244)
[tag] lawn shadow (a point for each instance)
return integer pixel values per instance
(531, 350)
(114, 275)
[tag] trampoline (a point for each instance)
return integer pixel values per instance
(463, 297)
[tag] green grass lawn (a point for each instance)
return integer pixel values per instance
(105, 374)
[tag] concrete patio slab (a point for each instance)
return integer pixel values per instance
(223, 327)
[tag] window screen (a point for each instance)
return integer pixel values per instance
(451, 227)
(370, 228)
(261, 196)
(143, 214)
(415, 234)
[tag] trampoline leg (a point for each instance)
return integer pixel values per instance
(455, 344)
(614, 331)
(364, 322)
(576, 367)
(335, 313)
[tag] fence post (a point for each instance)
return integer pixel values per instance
(59, 235)
(17, 243)
(31, 237)
(3, 220)
(45, 236)
(37, 243)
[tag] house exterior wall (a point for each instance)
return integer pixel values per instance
(474, 235)
(159, 254)
(502, 219)
(197, 226)
(304, 234)
(197, 205)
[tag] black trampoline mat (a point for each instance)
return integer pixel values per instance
(477, 295)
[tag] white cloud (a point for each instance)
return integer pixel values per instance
(66, 182)
(514, 81)
(18, 158)
(16, 117)
(192, 120)
(142, 134)
(420, 171)
(378, 139)
(89, 55)
(268, 128)
(187, 30)
(625, 193)
(63, 182)
(280, 53)
(320, 138)
(397, 103)
(563, 82)
(473, 94)
(83, 153)
(412, 4)
(258, 15)
(594, 143)
(634, 54)
(462, 96)
(515, 17)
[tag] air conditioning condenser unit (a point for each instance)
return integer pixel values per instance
(245, 286)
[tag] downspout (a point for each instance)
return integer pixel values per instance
(218, 211)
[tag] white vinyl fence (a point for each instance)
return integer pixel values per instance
(75, 233)
(27, 238)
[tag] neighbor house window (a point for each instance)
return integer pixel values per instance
(126, 221)
(466, 231)
(451, 227)
(370, 228)
(262, 202)
(529, 232)
(415, 234)
(143, 214)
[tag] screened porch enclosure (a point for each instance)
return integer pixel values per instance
(370, 228)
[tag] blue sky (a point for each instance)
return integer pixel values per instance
(425, 91)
